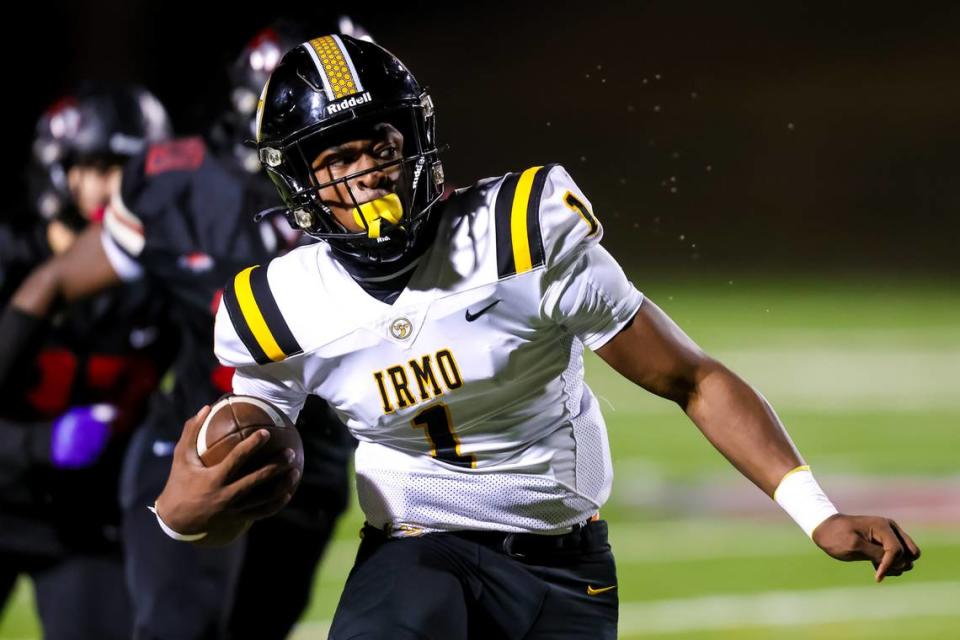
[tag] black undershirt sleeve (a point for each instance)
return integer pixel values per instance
(21, 336)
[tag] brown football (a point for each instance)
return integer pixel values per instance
(233, 418)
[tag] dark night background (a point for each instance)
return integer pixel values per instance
(711, 137)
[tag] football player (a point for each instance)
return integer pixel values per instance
(449, 336)
(67, 415)
(183, 220)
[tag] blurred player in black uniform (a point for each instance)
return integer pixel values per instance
(184, 221)
(67, 415)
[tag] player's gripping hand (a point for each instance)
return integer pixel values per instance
(200, 499)
(880, 540)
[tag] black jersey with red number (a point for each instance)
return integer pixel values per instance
(112, 348)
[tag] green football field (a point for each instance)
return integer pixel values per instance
(865, 372)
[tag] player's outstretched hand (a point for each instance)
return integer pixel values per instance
(197, 498)
(874, 538)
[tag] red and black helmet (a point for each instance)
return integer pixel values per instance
(98, 125)
(248, 73)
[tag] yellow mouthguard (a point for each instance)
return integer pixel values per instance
(369, 214)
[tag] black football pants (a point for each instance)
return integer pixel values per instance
(276, 579)
(479, 585)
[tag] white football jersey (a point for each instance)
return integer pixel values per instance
(466, 394)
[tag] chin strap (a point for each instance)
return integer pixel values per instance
(369, 214)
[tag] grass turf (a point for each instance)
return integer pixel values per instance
(864, 373)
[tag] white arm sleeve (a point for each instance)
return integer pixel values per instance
(255, 381)
(589, 295)
(126, 267)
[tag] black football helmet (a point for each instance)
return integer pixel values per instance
(331, 90)
(98, 126)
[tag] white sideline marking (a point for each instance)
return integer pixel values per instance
(790, 608)
(767, 609)
(813, 377)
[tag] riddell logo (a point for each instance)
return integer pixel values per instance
(349, 103)
(417, 171)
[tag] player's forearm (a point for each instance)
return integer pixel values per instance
(80, 272)
(743, 426)
(38, 294)
(23, 320)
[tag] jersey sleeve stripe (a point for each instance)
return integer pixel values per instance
(518, 221)
(268, 307)
(125, 228)
(117, 208)
(254, 317)
(239, 322)
(505, 263)
(534, 238)
(519, 239)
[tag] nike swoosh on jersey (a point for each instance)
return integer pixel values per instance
(593, 592)
(473, 316)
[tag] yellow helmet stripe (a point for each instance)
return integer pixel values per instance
(340, 77)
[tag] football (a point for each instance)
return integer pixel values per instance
(231, 419)
(235, 417)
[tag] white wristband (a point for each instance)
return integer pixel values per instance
(802, 498)
(180, 537)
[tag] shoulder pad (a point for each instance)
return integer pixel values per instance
(250, 327)
(541, 216)
(159, 171)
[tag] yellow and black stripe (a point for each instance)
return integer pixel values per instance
(256, 317)
(340, 77)
(517, 213)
